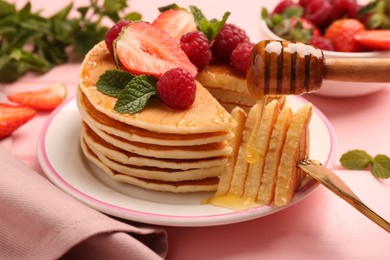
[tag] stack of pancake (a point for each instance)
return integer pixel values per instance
(227, 85)
(158, 148)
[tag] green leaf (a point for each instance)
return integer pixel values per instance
(136, 94)
(133, 16)
(83, 11)
(356, 160)
(209, 27)
(114, 6)
(63, 13)
(6, 8)
(112, 82)
(381, 166)
(292, 11)
(167, 7)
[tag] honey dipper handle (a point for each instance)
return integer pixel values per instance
(358, 70)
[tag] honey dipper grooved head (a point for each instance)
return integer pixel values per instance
(283, 67)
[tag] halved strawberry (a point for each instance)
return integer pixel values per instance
(142, 48)
(176, 22)
(44, 99)
(12, 117)
(374, 39)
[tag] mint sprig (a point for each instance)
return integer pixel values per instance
(133, 92)
(360, 159)
(30, 41)
(136, 94)
(209, 27)
(112, 82)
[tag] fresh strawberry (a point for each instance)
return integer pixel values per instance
(142, 48)
(176, 22)
(44, 99)
(12, 117)
(374, 39)
(342, 34)
(283, 5)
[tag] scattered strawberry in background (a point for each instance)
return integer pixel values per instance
(46, 99)
(12, 117)
(342, 34)
(176, 22)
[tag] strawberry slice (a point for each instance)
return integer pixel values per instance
(44, 99)
(374, 39)
(12, 117)
(142, 48)
(176, 22)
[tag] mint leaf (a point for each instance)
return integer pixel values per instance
(359, 159)
(165, 8)
(209, 27)
(356, 160)
(381, 166)
(136, 94)
(112, 82)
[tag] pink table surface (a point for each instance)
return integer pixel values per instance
(322, 226)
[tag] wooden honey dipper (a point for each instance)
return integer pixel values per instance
(283, 67)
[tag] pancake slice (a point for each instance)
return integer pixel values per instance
(226, 177)
(272, 159)
(261, 142)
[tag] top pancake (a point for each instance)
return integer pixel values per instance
(204, 116)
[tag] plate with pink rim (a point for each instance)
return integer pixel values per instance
(63, 162)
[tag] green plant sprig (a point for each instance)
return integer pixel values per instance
(32, 42)
(360, 159)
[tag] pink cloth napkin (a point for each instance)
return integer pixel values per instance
(39, 221)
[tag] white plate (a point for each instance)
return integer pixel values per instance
(61, 159)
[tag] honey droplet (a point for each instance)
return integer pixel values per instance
(251, 154)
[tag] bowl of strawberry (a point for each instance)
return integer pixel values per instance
(341, 28)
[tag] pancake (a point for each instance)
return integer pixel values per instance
(157, 148)
(224, 77)
(100, 146)
(204, 116)
(170, 152)
(94, 117)
(208, 184)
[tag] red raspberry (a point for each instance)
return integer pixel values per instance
(197, 47)
(240, 56)
(226, 41)
(319, 12)
(113, 33)
(177, 88)
(322, 43)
